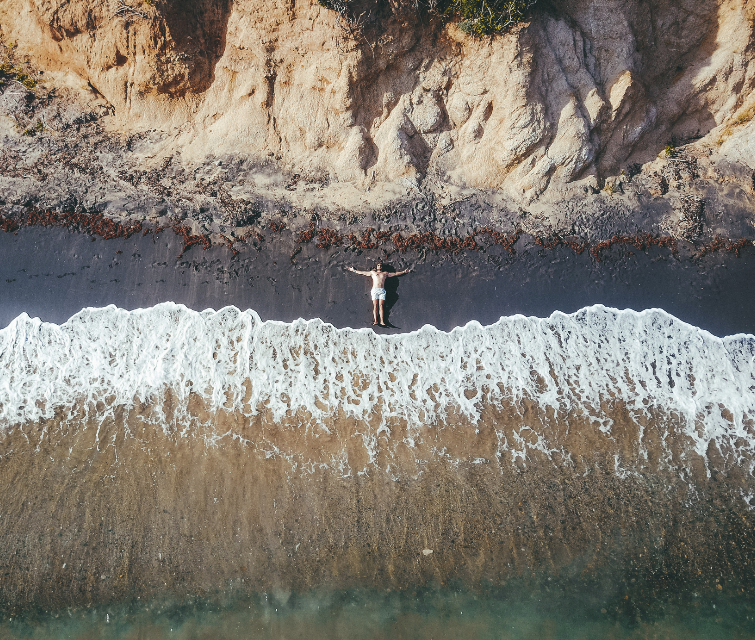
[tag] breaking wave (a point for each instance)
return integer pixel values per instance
(307, 374)
(165, 450)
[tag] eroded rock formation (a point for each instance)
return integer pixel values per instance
(549, 111)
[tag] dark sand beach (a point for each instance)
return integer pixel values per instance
(53, 273)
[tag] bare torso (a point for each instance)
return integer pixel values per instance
(378, 279)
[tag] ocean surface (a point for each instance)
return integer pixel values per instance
(172, 473)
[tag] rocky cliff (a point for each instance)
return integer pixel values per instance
(320, 113)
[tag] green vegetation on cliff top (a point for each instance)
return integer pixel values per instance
(477, 18)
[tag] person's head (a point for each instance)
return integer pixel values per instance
(379, 266)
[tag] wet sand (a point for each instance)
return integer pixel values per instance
(53, 273)
(109, 512)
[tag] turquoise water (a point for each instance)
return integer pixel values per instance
(525, 609)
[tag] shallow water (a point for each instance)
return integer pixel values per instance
(585, 475)
(538, 608)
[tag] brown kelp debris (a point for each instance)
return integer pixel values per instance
(97, 224)
(640, 242)
(372, 238)
(732, 246)
(156, 229)
(190, 239)
(327, 238)
(555, 241)
(419, 241)
(8, 224)
(367, 241)
(229, 244)
(501, 239)
(306, 236)
(94, 223)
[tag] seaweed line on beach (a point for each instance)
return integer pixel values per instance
(326, 238)
(640, 242)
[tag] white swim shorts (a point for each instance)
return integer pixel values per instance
(377, 294)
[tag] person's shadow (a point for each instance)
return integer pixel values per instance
(391, 294)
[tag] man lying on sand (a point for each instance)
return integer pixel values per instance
(378, 289)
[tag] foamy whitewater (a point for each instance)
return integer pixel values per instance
(574, 364)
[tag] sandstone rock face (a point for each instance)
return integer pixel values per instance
(583, 91)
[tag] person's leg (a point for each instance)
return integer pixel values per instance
(375, 311)
(382, 320)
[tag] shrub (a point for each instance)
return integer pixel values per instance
(26, 80)
(7, 70)
(745, 116)
(352, 24)
(476, 18)
(726, 133)
(12, 71)
(487, 17)
(39, 127)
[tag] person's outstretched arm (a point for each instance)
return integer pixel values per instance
(398, 273)
(361, 273)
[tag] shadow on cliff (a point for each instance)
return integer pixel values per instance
(393, 70)
(198, 30)
(675, 44)
(647, 78)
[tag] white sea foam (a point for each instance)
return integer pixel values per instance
(566, 362)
